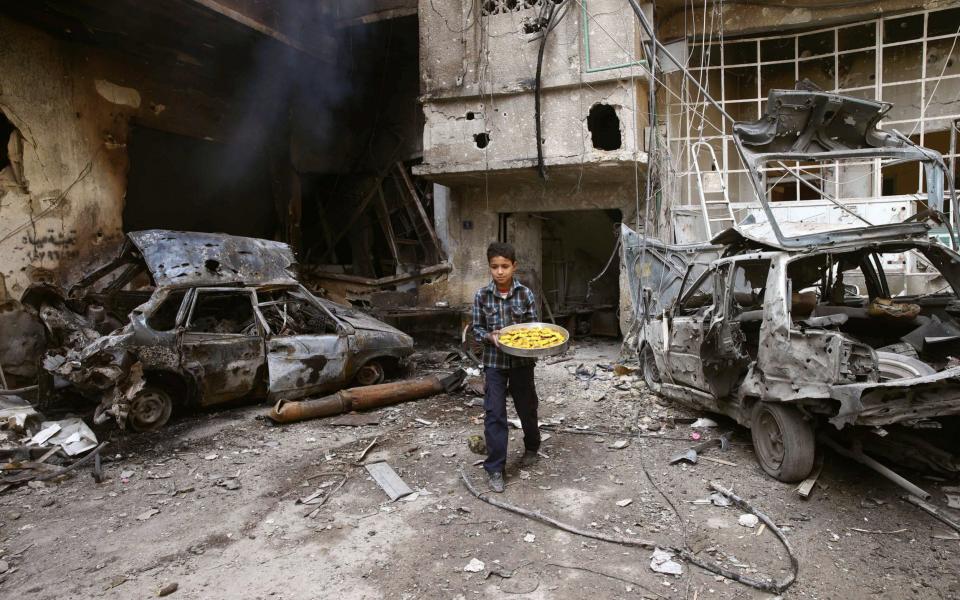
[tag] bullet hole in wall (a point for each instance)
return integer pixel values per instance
(481, 139)
(604, 126)
(470, 116)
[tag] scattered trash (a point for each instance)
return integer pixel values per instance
(748, 520)
(41, 437)
(474, 566)
(719, 461)
(168, 589)
(625, 502)
(662, 561)
(363, 453)
(211, 457)
(932, 511)
(16, 412)
(231, 483)
(147, 514)
(695, 436)
(714, 499)
(423, 421)
(529, 538)
(692, 454)
(73, 435)
(703, 423)
(953, 501)
(877, 531)
(477, 445)
(619, 445)
(388, 480)
(621, 370)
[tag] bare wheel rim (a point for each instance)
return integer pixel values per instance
(150, 409)
(370, 374)
(769, 438)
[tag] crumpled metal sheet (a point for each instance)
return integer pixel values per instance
(936, 395)
(184, 259)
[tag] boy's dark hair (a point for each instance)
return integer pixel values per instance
(501, 249)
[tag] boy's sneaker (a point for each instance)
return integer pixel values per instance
(530, 458)
(496, 482)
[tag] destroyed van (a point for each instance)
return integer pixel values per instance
(211, 318)
(802, 329)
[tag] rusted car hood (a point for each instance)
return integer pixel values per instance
(186, 259)
(358, 319)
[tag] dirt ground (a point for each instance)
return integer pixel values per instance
(209, 503)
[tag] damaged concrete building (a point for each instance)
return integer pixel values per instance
(494, 74)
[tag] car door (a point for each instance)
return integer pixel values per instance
(686, 326)
(307, 347)
(221, 343)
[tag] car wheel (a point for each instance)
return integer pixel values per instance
(370, 374)
(150, 409)
(897, 366)
(651, 374)
(783, 441)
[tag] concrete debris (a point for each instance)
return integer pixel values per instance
(388, 480)
(624, 502)
(474, 566)
(748, 520)
(147, 514)
(168, 589)
(529, 538)
(703, 423)
(661, 561)
(619, 445)
(16, 413)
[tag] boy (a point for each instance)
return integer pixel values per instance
(505, 301)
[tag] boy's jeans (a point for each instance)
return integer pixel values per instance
(519, 382)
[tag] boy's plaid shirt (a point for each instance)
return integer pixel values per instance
(491, 312)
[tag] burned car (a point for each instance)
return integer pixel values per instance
(214, 319)
(800, 329)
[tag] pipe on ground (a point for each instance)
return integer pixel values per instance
(364, 398)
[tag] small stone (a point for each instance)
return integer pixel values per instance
(625, 502)
(619, 445)
(529, 538)
(748, 520)
(168, 589)
(474, 566)
(211, 457)
(4, 566)
(147, 514)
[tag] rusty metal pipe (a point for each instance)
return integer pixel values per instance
(364, 398)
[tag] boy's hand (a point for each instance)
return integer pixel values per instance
(492, 338)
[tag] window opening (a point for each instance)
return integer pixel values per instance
(222, 312)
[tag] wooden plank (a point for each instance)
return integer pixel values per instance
(388, 480)
(415, 198)
(806, 486)
(384, 215)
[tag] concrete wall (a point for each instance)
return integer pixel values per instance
(72, 105)
(473, 222)
(478, 73)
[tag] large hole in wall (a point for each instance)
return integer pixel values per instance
(187, 184)
(604, 126)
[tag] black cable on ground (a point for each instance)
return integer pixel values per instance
(711, 566)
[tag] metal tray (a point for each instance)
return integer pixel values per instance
(536, 352)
